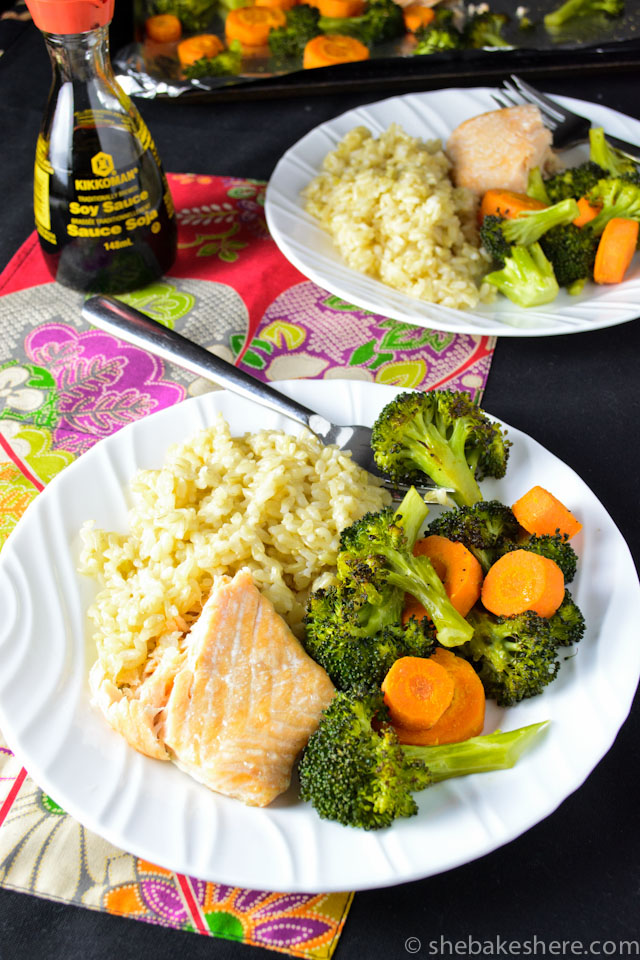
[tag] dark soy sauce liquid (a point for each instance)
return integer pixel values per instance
(120, 261)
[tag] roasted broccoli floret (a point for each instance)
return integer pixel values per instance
(381, 20)
(499, 235)
(355, 772)
(375, 554)
(486, 30)
(618, 198)
(194, 15)
(567, 625)
(573, 182)
(288, 42)
(572, 9)
(611, 161)
(435, 39)
(515, 657)
(571, 251)
(441, 434)
(354, 629)
(489, 530)
(227, 63)
(440, 35)
(527, 277)
(357, 641)
(493, 239)
(555, 547)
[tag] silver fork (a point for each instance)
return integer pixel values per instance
(137, 328)
(567, 128)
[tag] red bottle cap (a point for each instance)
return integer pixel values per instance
(70, 16)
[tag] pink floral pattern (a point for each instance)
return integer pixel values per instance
(102, 384)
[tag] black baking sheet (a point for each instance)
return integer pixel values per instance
(589, 45)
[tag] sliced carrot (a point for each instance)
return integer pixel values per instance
(540, 513)
(324, 51)
(507, 203)
(587, 212)
(464, 717)
(522, 580)
(195, 48)
(163, 28)
(339, 8)
(416, 16)
(252, 25)
(456, 566)
(615, 251)
(281, 4)
(458, 569)
(417, 691)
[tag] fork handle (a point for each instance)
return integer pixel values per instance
(137, 328)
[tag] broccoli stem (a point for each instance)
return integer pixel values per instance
(494, 751)
(412, 513)
(418, 578)
(536, 187)
(444, 460)
(530, 225)
(612, 161)
(527, 277)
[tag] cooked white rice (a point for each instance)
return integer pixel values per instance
(268, 502)
(393, 213)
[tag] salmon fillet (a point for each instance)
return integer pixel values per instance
(498, 149)
(136, 714)
(235, 707)
(247, 698)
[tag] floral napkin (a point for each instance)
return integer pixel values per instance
(65, 385)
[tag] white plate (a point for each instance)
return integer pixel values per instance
(429, 116)
(154, 810)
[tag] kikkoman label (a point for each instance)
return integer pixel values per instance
(105, 201)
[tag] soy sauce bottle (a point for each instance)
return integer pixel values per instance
(103, 209)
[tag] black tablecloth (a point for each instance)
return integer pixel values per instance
(575, 877)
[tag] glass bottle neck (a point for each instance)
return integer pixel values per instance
(80, 56)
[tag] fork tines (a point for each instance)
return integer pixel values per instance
(550, 109)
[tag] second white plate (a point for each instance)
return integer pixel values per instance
(429, 116)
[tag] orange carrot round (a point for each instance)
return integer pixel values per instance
(615, 250)
(417, 691)
(464, 717)
(522, 580)
(416, 16)
(252, 25)
(588, 211)
(195, 48)
(507, 203)
(458, 569)
(339, 8)
(456, 566)
(281, 4)
(163, 28)
(540, 513)
(324, 51)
